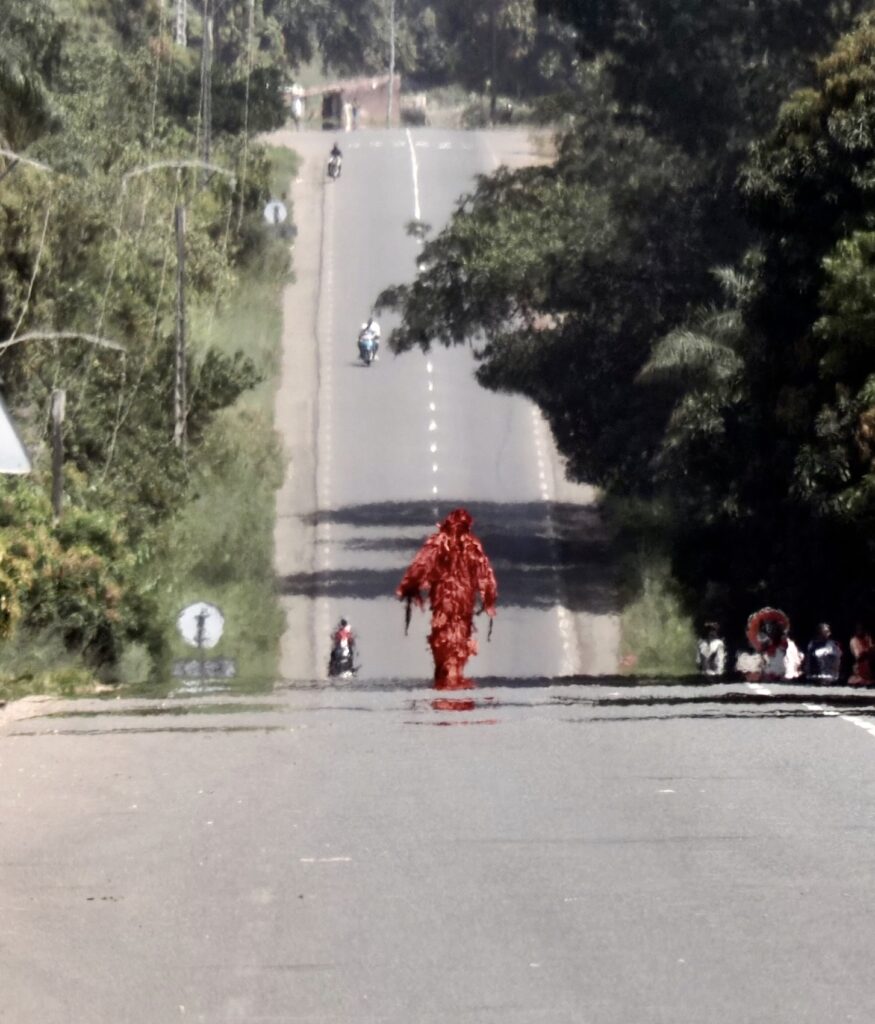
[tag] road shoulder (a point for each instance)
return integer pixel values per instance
(295, 414)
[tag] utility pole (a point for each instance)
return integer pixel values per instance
(180, 398)
(179, 395)
(181, 22)
(391, 63)
(59, 406)
(207, 83)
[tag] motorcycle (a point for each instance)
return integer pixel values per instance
(367, 347)
(334, 165)
(341, 662)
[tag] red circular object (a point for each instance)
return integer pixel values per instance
(759, 639)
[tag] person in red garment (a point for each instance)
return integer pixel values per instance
(453, 569)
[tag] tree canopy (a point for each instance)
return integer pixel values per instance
(685, 291)
(99, 111)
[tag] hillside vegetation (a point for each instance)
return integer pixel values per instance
(99, 113)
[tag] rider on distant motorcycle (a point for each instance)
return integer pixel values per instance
(342, 649)
(336, 160)
(343, 634)
(371, 330)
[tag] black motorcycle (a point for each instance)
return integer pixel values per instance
(341, 663)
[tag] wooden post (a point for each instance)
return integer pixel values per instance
(179, 395)
(59, 403)
(207, 84)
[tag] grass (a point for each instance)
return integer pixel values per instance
(657, 637)
(284, 164)
(220, 546)
(39, 663)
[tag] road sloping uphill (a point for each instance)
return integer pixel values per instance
(402, 442)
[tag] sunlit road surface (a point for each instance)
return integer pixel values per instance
(401, 443)
(540, 850)
(568, 854)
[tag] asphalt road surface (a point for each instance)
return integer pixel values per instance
(541, 850)
(564, 854)
(404, 441)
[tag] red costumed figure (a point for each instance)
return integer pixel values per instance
(453, 568)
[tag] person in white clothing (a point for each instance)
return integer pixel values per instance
(711, 651)
(371, 328)
(783, 661)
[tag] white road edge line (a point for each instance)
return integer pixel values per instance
(417, 211)
(863, 722)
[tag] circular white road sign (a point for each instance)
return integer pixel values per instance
(275, 212)
(201, 624)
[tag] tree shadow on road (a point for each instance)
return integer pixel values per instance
(525, 541)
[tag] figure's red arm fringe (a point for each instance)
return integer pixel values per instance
(418, 577)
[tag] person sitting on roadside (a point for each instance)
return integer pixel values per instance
(863, 651)
(823, 656)
(711, 651)
(782, 659)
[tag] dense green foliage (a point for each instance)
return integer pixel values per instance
(98, 94)
(686, 292)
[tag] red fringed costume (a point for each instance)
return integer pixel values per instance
(453, 568)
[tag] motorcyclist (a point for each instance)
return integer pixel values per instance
(342, 649)
(343, 634)
(336, 157)
(371, 328)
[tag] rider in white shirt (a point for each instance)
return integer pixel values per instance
(373, 329)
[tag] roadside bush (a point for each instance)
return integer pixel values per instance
(657, 636)
(75, 579)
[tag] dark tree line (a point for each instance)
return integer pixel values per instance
(686, 292)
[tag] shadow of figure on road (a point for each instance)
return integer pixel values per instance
(532, 545)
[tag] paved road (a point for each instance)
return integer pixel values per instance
(539, 851)
(403, 442)
(571, 855)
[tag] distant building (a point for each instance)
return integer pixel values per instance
(337, 101)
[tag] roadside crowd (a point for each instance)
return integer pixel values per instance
(772, 655)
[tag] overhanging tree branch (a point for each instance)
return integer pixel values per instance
(92, 339)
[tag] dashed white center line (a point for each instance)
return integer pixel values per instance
(429, 366)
